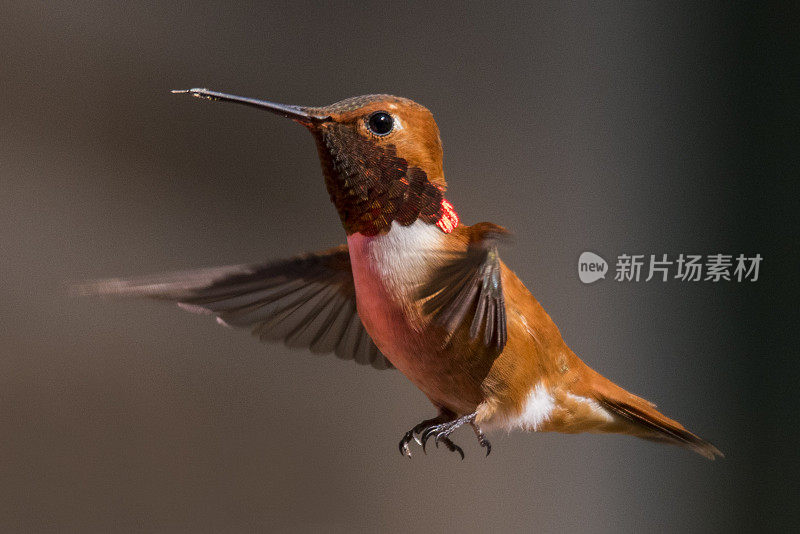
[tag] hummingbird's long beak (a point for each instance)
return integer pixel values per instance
(298, 113)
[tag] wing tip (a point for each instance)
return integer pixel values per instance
(100, 288)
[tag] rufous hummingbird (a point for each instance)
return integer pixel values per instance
(413, 289)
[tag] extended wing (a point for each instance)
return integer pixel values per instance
(305, 301)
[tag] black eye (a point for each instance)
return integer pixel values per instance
(380, 123)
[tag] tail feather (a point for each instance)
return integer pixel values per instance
(646, 422)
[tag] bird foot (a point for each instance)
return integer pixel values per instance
(419, 428)
(440, 428)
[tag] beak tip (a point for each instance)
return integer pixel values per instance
(197, 92)
(194, 91)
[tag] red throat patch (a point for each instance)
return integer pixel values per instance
(449, 220)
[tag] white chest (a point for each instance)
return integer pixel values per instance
(398, 260)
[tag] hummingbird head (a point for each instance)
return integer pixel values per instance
(381, 157)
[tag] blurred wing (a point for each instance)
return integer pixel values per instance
(470, 283)
(307, 301)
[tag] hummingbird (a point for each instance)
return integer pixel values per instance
(413, 289)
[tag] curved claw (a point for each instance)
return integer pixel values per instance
(451, 446)
(484, 442)
(424, 440)
(426, 435)
(404, 450)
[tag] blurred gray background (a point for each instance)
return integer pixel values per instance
(613, 128)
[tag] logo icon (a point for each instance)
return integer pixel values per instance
(591, 267)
